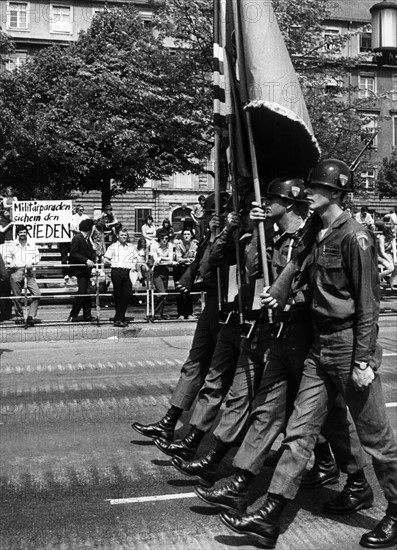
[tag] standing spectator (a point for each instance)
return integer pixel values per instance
(21, 258)
(121, 255)
(149, 231)
(365, 218)
(197, 214)
(82, 252)
(5, 292)
(163, 256)
(107, 225)
(141, 260)
(169, 229)
(8, 199)
(6, 226)
(77, 218)
(185, 252)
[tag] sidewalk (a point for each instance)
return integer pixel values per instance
(51, 323)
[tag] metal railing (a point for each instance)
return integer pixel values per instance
(97, 274)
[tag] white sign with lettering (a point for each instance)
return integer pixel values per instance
(46, 221)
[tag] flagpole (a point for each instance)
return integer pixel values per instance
(217, 148)
(257, 190)
(236, 231)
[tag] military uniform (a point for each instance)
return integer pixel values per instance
(345, 308)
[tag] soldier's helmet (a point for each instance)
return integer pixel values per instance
(292, 189)
(332, 173)
(209, 205)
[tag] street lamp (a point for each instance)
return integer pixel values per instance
(384, 32)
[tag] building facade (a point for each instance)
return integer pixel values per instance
(34, 24)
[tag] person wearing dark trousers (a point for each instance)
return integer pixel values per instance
(82, 252)
(121, 255)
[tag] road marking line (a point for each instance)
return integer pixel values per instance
(389, 354)
(149, 499)
(390, 405)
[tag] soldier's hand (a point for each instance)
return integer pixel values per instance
(267, 300)
(180, 288)
(362, 378)
(90, 263)
(217, 221)
(257, 213)
(233, 221)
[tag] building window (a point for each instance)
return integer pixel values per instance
(365, 42)
(140, 216)
(366, 86)
(329, 35)
(17, 16)
(394, 87)
(370, 125)
(16, 60)
(368, 179)
(61, 19)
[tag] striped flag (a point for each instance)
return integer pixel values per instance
(254, 72)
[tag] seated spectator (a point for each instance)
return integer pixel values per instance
(185, 252)
(385, 252)
(197, 215)
(20, 259)
(168, 228)
(141, 261)
(149, 231)
(163, 256)
(365, 218)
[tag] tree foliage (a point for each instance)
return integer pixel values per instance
(130, 101)
(387, 178)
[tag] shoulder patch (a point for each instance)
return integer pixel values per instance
(363, 240)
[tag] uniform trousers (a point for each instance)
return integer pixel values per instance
(195, 368)
(327, 371)
(274, 401)
(122, 290)
(17, 284)
(219, 377)
(248, 373)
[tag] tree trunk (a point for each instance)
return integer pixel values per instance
(105, 190)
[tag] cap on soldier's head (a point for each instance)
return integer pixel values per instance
(209, 205)
(331, 173)
(290, 189)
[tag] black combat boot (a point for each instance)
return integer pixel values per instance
(262, 525)
(183, 448)
(324, 470)
(356, 495)
(384, 535)
(203, 470)
(230, 493)
(163, 428)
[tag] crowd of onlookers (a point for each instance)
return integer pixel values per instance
(155, 255)
(152, 258)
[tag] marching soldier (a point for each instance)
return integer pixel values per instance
(344, 357)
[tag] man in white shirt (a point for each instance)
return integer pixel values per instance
(78, 217)
(121, 255)
(20, 258)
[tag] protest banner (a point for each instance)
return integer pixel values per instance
(46, 221)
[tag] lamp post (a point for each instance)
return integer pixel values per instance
(384, 32)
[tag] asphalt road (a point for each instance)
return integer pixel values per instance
(69, 456)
